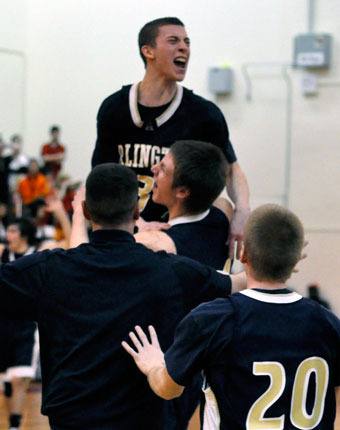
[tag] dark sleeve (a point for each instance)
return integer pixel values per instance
(199, 338)
(111, 115)
(20, 283)
(101, 153)
(217, 132)
(200, 283)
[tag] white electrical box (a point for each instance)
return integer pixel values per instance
(220, 80)
(312, 50)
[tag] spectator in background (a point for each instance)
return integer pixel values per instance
(19, 162)
(53, 224)
(314, 294)
(19, 349)
(53, 153)
(34, 186)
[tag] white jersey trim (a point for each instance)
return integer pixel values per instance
(29, 251)
(188, 218)
(164, 117)
(211, 413)
(272, 298)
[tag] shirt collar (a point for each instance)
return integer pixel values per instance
(281, 296)
(164, 117)
(188, 218)
(110, 235)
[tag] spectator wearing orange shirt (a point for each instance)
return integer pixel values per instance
(34, 186)
(53, 153)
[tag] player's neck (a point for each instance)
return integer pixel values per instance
(128, 227)
(155, 91)
(176, 211)
(264, 285)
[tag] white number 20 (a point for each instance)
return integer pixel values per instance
(298, 413)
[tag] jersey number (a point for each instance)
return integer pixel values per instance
(144, 190)
(299, 416)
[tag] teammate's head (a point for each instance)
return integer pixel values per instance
(273, 243)
(194, 172)
(19, 231)
(111, 195)
(165, 48)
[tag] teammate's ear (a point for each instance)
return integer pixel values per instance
(148, 53)
(182, 193)
(85, 211)
(136, 213)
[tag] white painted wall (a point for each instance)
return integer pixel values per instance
(13, 21)
(80, 51)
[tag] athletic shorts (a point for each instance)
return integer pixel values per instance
(19, 349)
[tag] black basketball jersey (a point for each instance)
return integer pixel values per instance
(271, 361)
(123, 137)
(202, 237)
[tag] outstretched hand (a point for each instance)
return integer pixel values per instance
(149, 354)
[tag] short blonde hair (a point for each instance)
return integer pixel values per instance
(273, 243)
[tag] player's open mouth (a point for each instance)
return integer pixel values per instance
(180, 62)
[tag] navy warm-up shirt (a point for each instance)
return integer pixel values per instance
(86, 300)
(271, 360)
(202, 237)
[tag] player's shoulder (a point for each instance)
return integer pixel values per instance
(188, 269)
(114, 100)
(217, 215)
(201, 104)
(214, 316)
(30, 261)
(216, 309)
(320, 313)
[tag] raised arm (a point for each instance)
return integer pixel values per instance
(149, 359)
(237, 187)
(79, 223)
(337, 418)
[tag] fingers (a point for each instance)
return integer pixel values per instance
(140, 341)
(135, 341)
(129, 350)
(153, 336)
(142, 335)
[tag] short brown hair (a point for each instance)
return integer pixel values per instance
(202, 168)
(149, 32)
(273, 244)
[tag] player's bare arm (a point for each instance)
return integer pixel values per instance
(156, 241)
(149, 359)
(79, 223)
(337, 418)
(238, 190)
(151, 225)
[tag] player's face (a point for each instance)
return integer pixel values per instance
(171, 52)
(13, 237)
(163, 173)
